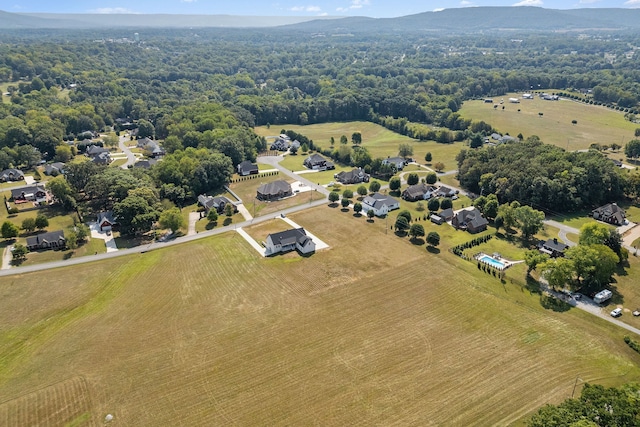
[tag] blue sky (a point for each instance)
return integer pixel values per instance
(372, 8)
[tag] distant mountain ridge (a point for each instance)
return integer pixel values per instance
(459, 20)
(475, 19)
(87, 21)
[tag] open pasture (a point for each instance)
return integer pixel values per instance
(374, 330)
(595, 124)
(380, 141)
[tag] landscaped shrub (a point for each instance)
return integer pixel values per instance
(635, 345)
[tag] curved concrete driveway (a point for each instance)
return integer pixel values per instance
(563, 230)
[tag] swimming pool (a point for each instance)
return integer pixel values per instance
(492, 262)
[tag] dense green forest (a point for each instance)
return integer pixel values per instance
(206, 90)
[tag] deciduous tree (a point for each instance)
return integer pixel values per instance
(9, 230)
(334, 196)
(433, 238)
(394, 183)
(416, 230)
(172, 219)
(433, 204)
(42, 222)
(28, 224)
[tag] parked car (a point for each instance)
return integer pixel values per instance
(577, 296)
(636, 312)
(616, 312)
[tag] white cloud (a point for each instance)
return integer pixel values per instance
(112, 10)
(188, 1)
(440, 9)
(306, 9)
(355, 4)
(588, 1)
(632, 3)
(529, 3)
(466, 3)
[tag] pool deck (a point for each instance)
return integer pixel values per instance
(505, 262)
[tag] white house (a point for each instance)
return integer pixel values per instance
(380, 204)
(398, 162)
(289, 240)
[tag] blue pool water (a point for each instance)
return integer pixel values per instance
(492, 262)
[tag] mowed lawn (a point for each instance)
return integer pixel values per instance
(372, 331)
(380, 141)
(596, 124)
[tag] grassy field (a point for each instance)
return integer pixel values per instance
(210, 333)
(595, 124)
(380, 141)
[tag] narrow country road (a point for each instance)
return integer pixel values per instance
(157, 245)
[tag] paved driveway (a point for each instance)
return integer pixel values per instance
(109, 241)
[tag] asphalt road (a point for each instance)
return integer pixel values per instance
(131, 158)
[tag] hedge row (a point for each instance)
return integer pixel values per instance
(254, 176)
(458, 250)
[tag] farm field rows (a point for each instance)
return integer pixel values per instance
(373, 330)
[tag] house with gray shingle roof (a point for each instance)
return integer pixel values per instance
(355, 176)
(611, 213)
(35, 192)
(469, 219)
(217, 203)
(552, 247)
(380, 204)
(11, 174)
(316, 162)
(419, 192)
(274, 190)
(51, 240)
(289, 240)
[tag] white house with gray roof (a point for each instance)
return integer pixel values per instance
(380, 204)
(289, 240)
